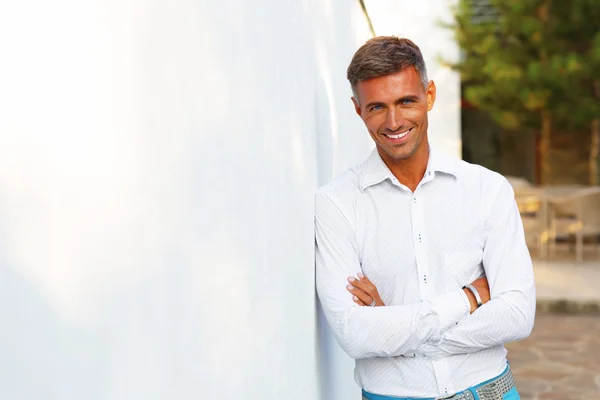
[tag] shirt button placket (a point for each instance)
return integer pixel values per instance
(443, 375)
(418, 225)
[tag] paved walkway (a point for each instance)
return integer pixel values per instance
(560, 360)
(567, 286)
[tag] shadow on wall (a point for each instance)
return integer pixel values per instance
(326, 135)
(341, 142)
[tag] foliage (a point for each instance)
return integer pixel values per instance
(531, 63)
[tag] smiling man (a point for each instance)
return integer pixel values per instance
(421, 262)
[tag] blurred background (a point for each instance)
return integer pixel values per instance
(158, 162)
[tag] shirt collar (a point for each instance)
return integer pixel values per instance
(376, 171)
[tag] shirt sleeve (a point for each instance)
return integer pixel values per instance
(364, 332)
(509, 315)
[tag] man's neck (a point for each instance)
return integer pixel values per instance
(409, 171)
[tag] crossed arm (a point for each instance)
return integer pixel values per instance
(365, 332)
(509, 314)
(436, 327)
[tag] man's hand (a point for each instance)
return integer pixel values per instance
(483, 288)
(364, 291)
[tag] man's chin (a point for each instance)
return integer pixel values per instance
(396, 153)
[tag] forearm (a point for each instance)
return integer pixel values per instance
(390, 331)
(504, 319)
(384, 331)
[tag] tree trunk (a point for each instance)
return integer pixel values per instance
(544, 148)
(595, 144)
(594, 153)
(546, 128)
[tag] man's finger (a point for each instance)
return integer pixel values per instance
(363, 285)
(360, 294)
(363, 278)
(357, 301)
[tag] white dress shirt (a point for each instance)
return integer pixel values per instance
(420, 249)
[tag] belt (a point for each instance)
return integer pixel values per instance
(493, 389)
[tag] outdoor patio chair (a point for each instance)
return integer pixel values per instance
(529, 203)
(578, 215)
(517, 182)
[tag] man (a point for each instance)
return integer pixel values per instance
(421, 262)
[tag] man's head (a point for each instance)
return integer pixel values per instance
(392, 95)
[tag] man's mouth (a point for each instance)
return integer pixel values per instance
(398, 135)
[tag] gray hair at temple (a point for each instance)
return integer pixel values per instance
(385, 55)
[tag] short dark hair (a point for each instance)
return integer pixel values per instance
(385, 55)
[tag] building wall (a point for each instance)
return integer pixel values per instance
(157, 168)
(158, 162)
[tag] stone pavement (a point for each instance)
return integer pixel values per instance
(560, 360)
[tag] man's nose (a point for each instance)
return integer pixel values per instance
(394, 120)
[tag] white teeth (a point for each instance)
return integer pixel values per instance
(398, 136)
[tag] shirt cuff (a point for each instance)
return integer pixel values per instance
(451, 308)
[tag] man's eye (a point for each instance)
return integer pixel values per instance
(375, 108)
(407, 101)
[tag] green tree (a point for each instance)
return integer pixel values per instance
(524, 66)
(577, 26)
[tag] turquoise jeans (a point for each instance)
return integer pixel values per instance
(512, 394)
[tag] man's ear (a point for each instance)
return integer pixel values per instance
(430, 95)
(356, 107)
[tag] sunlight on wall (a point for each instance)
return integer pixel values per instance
(72, 155)
(158, 162)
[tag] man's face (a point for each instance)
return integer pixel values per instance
(394, 109)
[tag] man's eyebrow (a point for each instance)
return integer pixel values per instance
(410, 97)
(375, 103)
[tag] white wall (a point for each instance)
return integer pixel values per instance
(158, 161)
